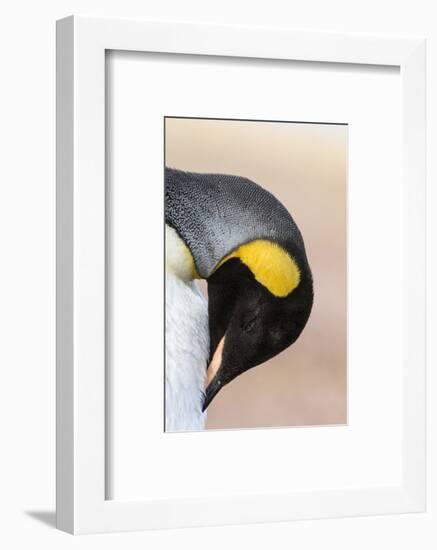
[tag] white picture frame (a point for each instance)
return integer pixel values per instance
(81, 480)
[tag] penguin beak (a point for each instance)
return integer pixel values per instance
(213, 381)
(211, 391)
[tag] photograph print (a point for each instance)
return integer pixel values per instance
(255, 274)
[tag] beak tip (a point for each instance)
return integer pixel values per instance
(211, 391)
(205, 403)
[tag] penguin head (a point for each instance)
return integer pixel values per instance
(260, 299)
(245, 243)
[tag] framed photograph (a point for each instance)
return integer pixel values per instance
(240, 275)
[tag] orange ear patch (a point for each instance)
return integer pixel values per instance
(270, 264)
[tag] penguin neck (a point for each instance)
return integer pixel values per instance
(215, 214)
(269, 263)
(178, 257)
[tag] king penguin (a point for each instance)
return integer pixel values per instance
(235, 234)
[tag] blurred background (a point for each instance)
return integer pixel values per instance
(305, 167)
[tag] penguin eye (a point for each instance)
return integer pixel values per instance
(249, 325)
(276, 335)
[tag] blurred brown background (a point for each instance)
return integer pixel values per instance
(305, 167)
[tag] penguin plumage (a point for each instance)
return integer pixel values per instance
(245, 243)
(187, 340)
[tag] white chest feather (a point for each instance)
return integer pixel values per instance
(187, 340)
